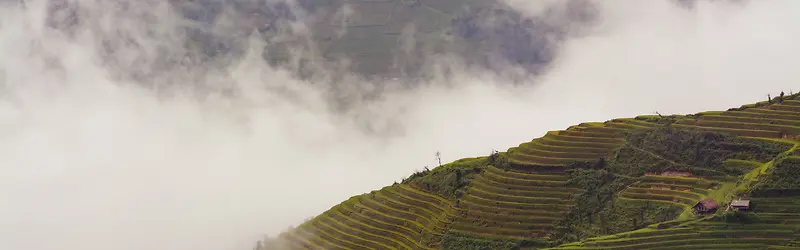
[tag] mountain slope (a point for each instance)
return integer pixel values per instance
(622, 184)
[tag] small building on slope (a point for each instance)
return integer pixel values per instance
(706, 206)
(740, 205)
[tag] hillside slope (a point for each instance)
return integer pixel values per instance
(626, 183)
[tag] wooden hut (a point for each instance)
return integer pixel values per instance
(741, 205)
(706, 206)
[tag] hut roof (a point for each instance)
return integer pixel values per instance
(709, 203)
(740, 203)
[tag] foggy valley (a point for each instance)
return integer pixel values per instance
(130, 125)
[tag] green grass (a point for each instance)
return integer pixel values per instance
(388, 217)
(564, 155)
(523, 175)
(761, 115)
(637, 122)
(748, 126)
(739, 132)
(790, 108)
(544, 191)
(628, 125)
(501, 215)
(558, 135)
(516, 199)
(684, 188)
(388, 210)
(746, 119)
(791, 102)
(358, 232)
(437, 207)
(515, 205)
(491, 208)
(564, 141)
(409, 205)
(524, 181)
(598, 128)
(541, 145)
(696, 182)
(579, 133)
(520, 156)
(740, 166)
(764, 110)
(334, 237)
(660, 197)
(682, 194)
(500, 231)
(399, 231)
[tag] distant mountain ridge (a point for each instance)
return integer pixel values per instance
(628, 183)
(391, 38)
(397, 37)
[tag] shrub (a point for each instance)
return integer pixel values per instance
(740, 217)
(454, 240)
(781, 180)
(449, 180)
(687, 150)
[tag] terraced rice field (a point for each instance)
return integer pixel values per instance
(511, 204)
(685, 191)
(585, 142)
(701, 235)
(777, 227)
(770, 121)
(524, 202)
(395, 217)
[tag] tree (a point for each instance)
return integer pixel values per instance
(439, 157)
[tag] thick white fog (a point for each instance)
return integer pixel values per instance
(89, 161)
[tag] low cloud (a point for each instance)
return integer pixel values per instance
(115, 136)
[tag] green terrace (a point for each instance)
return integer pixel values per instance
(636, 122)
(740, 166)
(769, 130)
(703, 234)
(677, 180)
(781, 108)
(777, 206)
(597, 127)
(689, 124)
(759, 115)
(395, 217)
(582, 143)
(791, 102)
(742, 117)
(512, 204)
(679, 190)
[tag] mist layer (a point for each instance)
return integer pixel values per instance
(116, 136)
